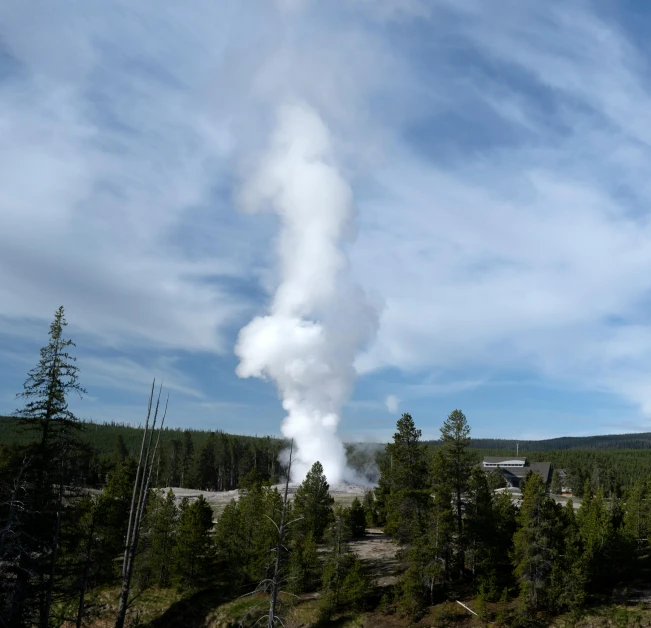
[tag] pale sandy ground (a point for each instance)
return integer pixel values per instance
(378, 554)
(342, 493)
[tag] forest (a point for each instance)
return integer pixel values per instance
(88, 536)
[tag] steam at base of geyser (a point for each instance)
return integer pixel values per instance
(319, 318)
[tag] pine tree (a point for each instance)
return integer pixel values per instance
(536, 545)
(205, 474)
(357, 516)
(602, 550)
(246, 530)
(192, 555)
(174, 463)
(505, 525)
(371, 510)
(556, 488)
(441, 524)
(121, 449)
(569, 578)
(479, 524)
(313, 503)
(404, 486)
(303, 565)
(343, 582)
(636, 519)
(160, 532)
(51, 469)
(188, 457)
(457, 465)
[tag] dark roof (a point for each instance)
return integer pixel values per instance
(542, 468)
(498, 459)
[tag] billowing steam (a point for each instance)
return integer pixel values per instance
(319, 318)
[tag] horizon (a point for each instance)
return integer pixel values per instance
(490, 230)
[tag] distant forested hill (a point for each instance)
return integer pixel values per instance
(609, 441)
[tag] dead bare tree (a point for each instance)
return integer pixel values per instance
(272, 585)
(275, 581)
(139, 502)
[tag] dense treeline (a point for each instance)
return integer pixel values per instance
(227, 458)
(608, 441)
(187, 458)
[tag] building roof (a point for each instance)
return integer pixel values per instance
(498, 459)
(543, 469)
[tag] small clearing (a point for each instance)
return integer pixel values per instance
(377, 552)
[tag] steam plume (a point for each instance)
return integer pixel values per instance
(319, 318)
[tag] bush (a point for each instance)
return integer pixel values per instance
(448, 613)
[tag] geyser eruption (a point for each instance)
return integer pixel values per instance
(319, 318)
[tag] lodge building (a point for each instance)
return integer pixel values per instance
(515, 470)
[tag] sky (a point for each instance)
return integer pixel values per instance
(497, 152)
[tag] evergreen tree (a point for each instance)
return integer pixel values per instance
(536, 545)
(479, 524)
(186, 462)
(441, 522)
(246, 530)
(121, 449)
(192, 555)
(403, 492)
(160, 532)
(357, 516)
(505, 525)
(205, 474)
(556, 488)
(343, 582)
(606, 553)
(52, 459)
(313, 503)
(370, 509)
(636, 519)
(457, 464)
(569, 570)
(303, 565)
(174, 463)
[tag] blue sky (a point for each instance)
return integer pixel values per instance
(498, 153)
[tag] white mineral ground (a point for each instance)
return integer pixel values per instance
(343, 494)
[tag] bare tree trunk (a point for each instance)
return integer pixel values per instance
(136, 482)
(141, 502)
(275, 584)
